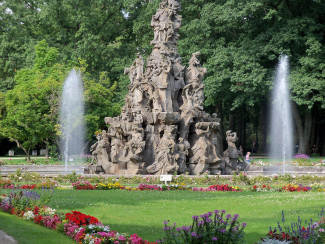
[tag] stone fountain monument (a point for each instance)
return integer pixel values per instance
(163, 128)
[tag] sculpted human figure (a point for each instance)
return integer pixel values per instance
(166, 157)
(94, 149)
(232, 154)
(192, 93)
(138, 118)
(135, 72)
(116, 144)
(198, 163)
(195, 73)
(135, 146)
(159, 22)
(183, 147)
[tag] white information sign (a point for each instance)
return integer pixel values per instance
(166, 178)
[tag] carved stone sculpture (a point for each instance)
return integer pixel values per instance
(204, 152)
(163, 128)
(232, 155)
(166, 156)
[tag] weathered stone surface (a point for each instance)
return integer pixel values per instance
(232, 155)
(163, 128)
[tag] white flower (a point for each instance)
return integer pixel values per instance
(29, 215)
(49, 211)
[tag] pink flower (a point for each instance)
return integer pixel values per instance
(122, 238)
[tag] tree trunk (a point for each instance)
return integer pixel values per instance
(24, 149)
(27, 154)
(47, 148)
(303, 128)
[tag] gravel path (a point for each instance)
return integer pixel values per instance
(5, 239)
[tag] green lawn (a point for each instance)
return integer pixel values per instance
(34, 160)
(144, 212)
(22, 160)
(29, 233)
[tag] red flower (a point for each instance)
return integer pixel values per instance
(36, 210)
(80, 218)
(38, 219)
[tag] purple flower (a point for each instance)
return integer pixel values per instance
(228, 216)
(194, 234)
(166, 222)
(208, 220)
(214, 239)
(243, 224)
(216, 211)
(223, 211)
(195, 217)
(222, 230)
(203, 216)
(185, 228)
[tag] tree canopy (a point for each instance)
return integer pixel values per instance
(240, 42)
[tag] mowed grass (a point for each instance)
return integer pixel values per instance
(143, 212)
(35, 160)
(29, 233)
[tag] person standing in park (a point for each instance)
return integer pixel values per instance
(247, 157)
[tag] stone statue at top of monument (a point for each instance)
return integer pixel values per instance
(159, 23)
(135, 72)
(175, 20)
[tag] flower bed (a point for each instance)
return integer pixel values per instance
(263, 188)
(5, 184)
(78, 226)
(313, 232)
(146, 187)
(45, 185)
(292, 188)
(85, 185)
(219, 188)
(109, 186)
(208, 228)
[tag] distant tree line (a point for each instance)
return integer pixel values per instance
(240, 42)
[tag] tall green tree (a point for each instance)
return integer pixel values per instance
(30, 109)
